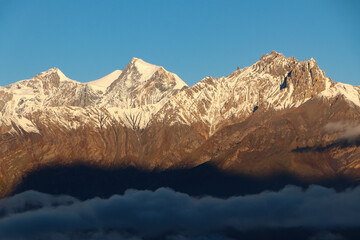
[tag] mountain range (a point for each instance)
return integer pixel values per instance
(279, 115)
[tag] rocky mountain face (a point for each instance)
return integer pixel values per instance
(279, 115)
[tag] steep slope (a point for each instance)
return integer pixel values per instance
(130, 97)
(46, 91)
(43, 123)
(349, 92)
(140, 91)
(274, 82)
(271, 117)
(104, 82)
(297, 141)
(272, 88)
(49, 89)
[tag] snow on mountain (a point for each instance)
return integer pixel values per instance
(273, 82)
(102, 83)
(148, 118)
(49, 89)
(140, 84)
(131, 96)
(140, 91)
(53, 72)
(350, 93)
(145, 69)
(144, 92)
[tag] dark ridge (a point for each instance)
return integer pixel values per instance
(85, 182)
(341, 143)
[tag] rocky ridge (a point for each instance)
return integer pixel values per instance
(266, 118)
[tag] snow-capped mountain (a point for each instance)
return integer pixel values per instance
(274, 82)
(139, 92)
(131, 96)
(103, 83)
(48, 91)
(259, 119)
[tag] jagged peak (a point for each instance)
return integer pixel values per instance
(273, 55)
(134, 59)
(174, 77)
(309, 64)
(139, 63)
(142, 65)
(147, 70)
(311, 60)
(312, 63)
(209, 80)
(144, 68)
(51, 71)
(279, 56)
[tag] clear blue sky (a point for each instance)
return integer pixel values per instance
(194, 39)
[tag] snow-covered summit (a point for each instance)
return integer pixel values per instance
(140, 84)
(145, 69)
(144, 92)
(141, 89)
(350, 93)
(104, 82)
(53, 73)
(273, 82)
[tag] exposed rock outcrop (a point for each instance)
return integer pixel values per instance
(268, 118)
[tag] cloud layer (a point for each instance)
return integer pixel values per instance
(349, 130)
(151, 214)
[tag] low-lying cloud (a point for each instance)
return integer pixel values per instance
(142, 214)
(31, 200)
(348, 130)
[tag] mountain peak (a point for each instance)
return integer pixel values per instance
(51, 73)
(275, 53)
(312, 63)
(102, 83)
(141, 63)
(272, 56)
(142, 70)
(135, 59)
(311, 60)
